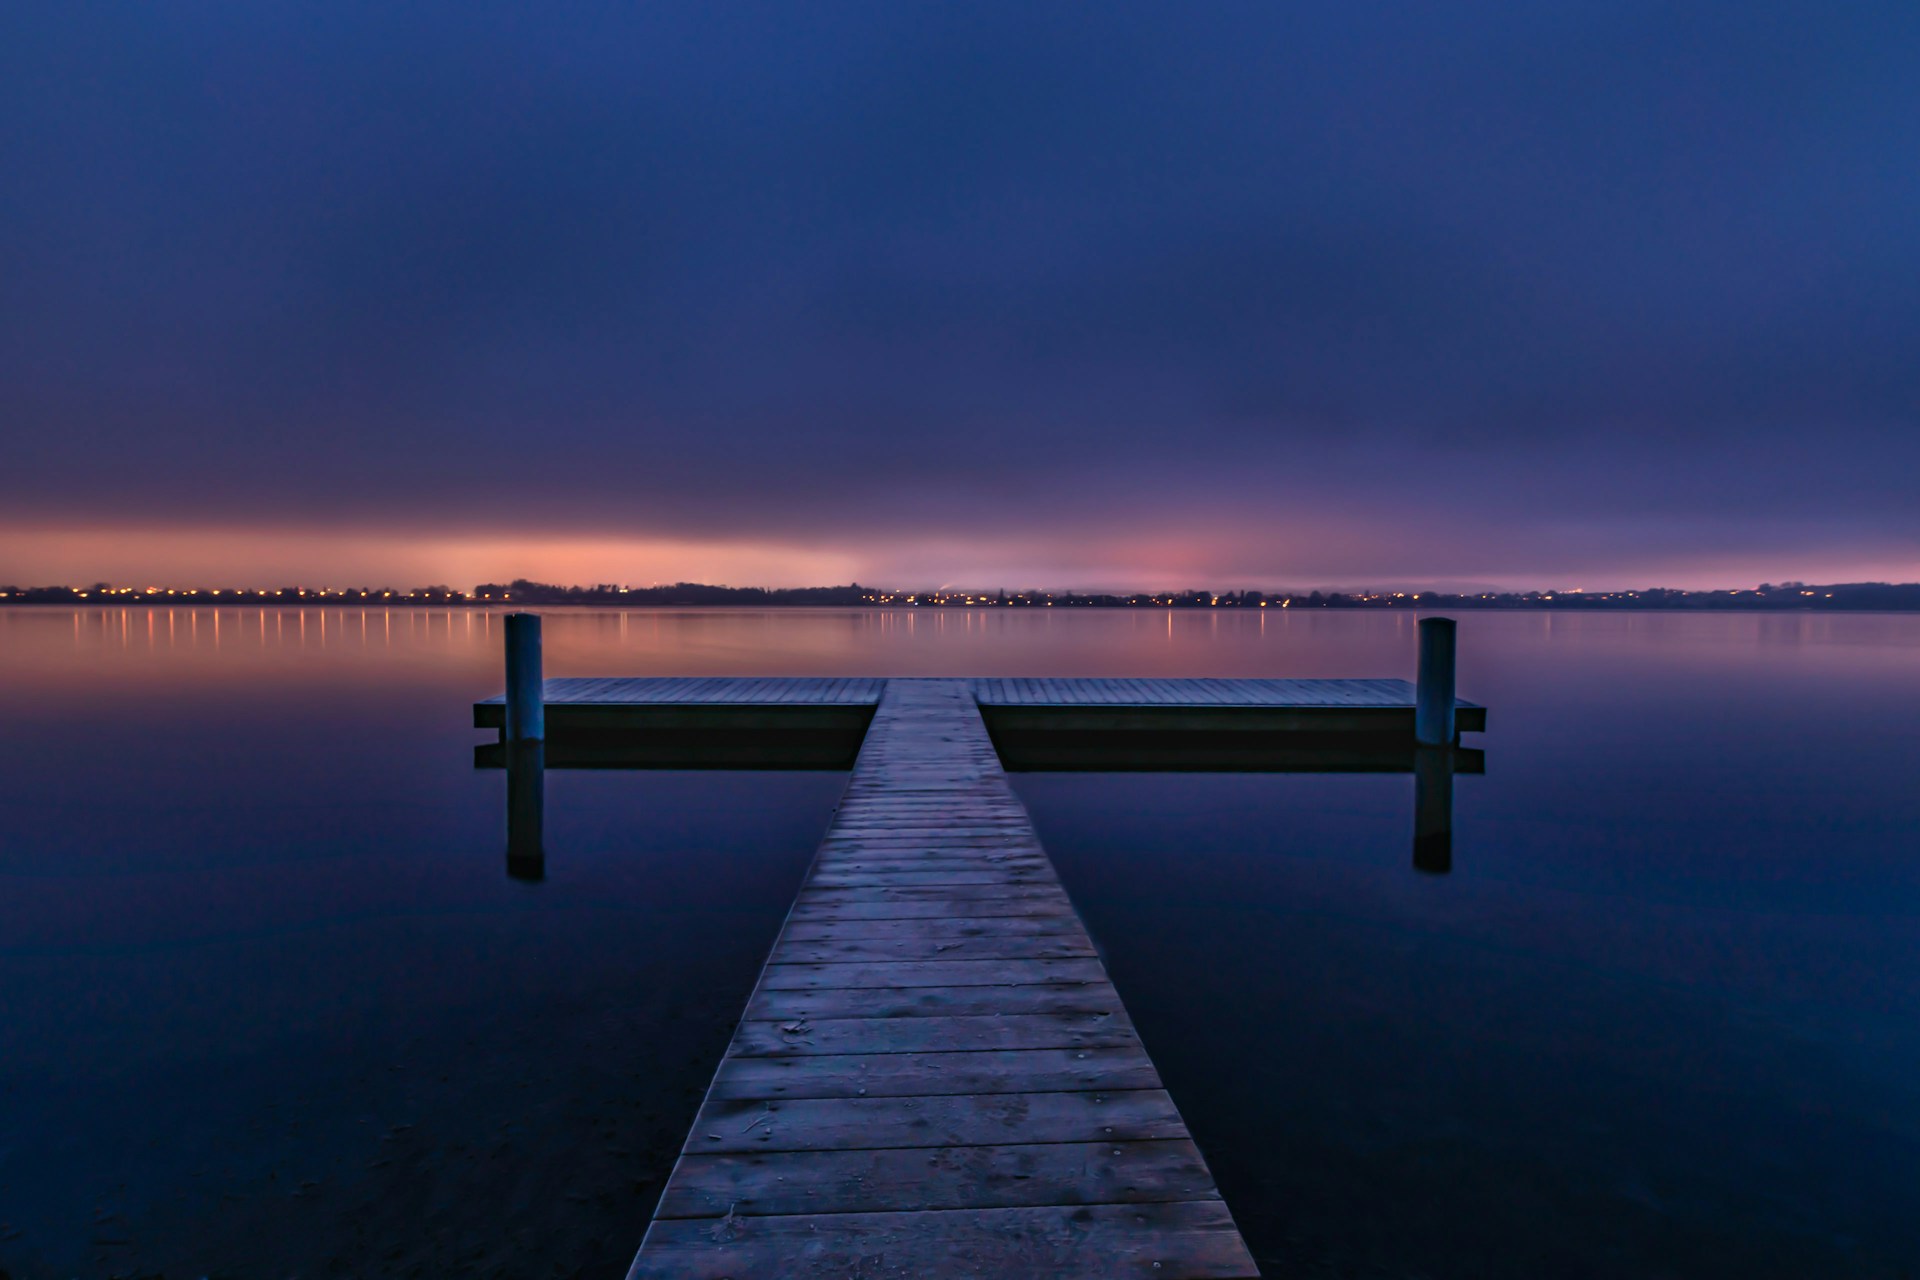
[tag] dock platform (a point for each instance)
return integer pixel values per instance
(1036, 723)
(934, 1075)
(747, 702)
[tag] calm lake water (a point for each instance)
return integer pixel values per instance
(270, 1006)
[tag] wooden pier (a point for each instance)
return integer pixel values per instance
(934, 1076)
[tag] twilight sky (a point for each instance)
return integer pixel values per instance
(1560, 295)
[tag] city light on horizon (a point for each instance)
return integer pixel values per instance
(193, 558)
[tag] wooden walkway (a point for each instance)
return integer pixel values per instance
(934, 1076)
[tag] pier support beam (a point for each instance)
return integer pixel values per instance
(526, 705)
(1433, 697)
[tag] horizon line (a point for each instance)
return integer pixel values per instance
(487, 593)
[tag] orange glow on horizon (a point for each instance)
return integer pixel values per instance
(274, 557)
(1127, 559)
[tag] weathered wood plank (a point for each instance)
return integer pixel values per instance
(944, 1120)
(924, 859)
(909, 1002)
(811, 892)
(930, 831)
(994, 946)
(1182, 1240)
(850, 879)
(815, 909)
(916, 856)
(810, 1035)
(928, 973)
(933, 845)
(879, 1075)
(814, 929)
(910, 1180)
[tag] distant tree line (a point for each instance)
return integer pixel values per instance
(1848, 596)
(520, 591)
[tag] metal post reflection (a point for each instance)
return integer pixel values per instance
(526, 809)
(1433, 810)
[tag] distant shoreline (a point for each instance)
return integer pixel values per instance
(1868, 597)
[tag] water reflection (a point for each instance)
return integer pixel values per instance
(1104, 642)
(526, 765)
(1433, 769)
(1663, 1006)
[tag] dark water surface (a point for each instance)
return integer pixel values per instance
(270, 1006)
